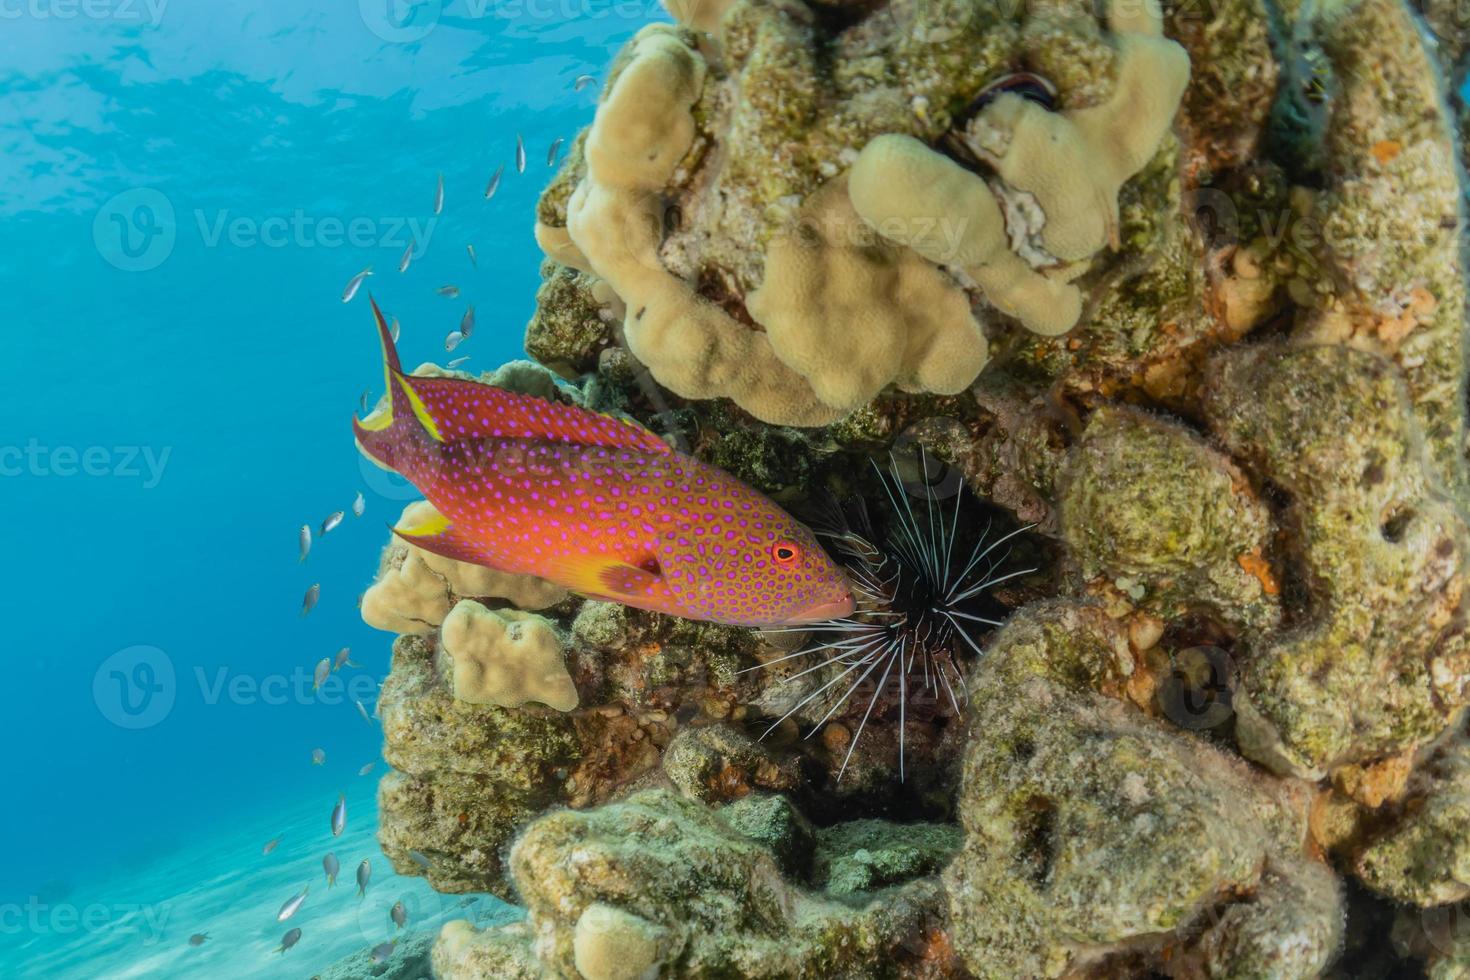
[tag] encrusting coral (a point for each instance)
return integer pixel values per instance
(877, 264)
(1182, 288)
(506, 658)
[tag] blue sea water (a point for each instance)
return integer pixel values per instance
(186, 186)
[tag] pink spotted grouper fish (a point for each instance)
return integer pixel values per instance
(592, 503)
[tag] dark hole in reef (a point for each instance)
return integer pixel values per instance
(719, 287)
(1294, 595)
(1038, 845)
(1396, 524)
(673, 218)
(1374, 473)
(1023, 750)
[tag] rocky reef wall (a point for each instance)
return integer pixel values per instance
(1178, 294)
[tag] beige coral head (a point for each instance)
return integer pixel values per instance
(611, 944)
(913, 196)
(506, 658)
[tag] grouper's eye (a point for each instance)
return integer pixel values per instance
(785, 552)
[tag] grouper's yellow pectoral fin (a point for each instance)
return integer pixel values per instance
(611, 577)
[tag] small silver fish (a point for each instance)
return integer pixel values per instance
(319, 674)
(551, 153)
(407, 257)
(318, 757)
(494, 184)
(344, 656)
(420, 859)
(449, 292)
(467, 322)
(362, 399)
(333, 519)
(364, 712)
(453, 340)
(331, 866)
(439, 196)
(303, 540)
(465, 903)
(358, 505)
(456, 362)
(474, 262)
(382, 951)
(288, 940)
(271, 845)
(364, 875)
(582, 82)
(354, 284)
(398, 914)
(312, 595)
(520, 154)
(393, 330)
(366, 769)
(291, 904)
(339, 816)
(198, 938)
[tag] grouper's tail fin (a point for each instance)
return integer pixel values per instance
(403, 417)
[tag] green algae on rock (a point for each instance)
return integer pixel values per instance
(657, 885)
(1095, 833)
(1378, 661)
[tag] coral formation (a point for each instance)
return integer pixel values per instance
(505, 658)
(879, 264)
(1379, 661)
(1183, 289)
(657, 885)
(1094, 832)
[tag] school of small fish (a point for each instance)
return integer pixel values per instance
(306, 539)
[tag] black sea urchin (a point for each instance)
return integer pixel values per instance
(919, 602)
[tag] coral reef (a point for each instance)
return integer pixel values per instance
(505, 658)
(1177, 295)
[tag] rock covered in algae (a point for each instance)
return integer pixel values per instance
(1423, 856)
(657, 885)
(1378, 660)
(1094, 832)
(1146, 503)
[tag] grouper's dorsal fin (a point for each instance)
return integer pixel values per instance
(460, 409)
